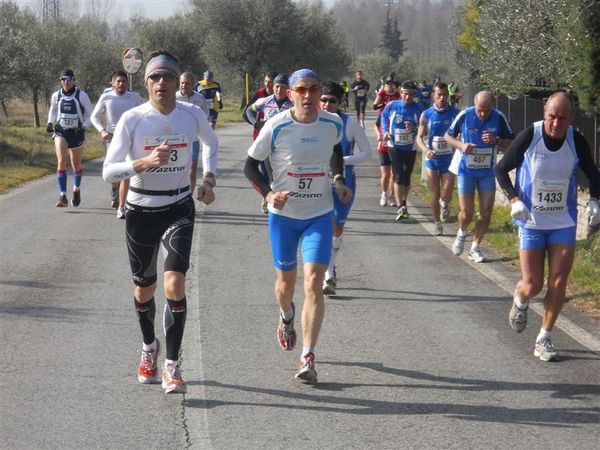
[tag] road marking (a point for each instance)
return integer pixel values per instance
(575, 331)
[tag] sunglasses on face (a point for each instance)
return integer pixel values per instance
(302, 90)
(166, 75)
(332, 100)
(67, 78)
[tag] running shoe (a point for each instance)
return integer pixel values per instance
(517, 318)
(444, 213)
(114, 203)
(439, 230)
(476, 255)
(263, 207)
(62, 202)
(306, 369)
(459, 244)
(148, 369)
(383, 201)
(329, 286)
(391, 201)
(121, 213)
(172, 382)
(286, 335)
(76, 200)
(545, 350)
(402, 213)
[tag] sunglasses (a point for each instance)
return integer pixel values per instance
(332, 100)
(67, 78)
(302, 90)
(166, 75)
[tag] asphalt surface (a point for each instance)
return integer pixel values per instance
(415, 351)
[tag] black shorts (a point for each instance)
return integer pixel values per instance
(360, 104)
(75, 137)
(384, 159)
(402, 164)
(147, 229)
(212, 115)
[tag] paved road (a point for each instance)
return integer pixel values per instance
(415, 352)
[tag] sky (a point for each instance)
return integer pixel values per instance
(155, 9)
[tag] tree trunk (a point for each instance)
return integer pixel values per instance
(4, 108)
(36, 111)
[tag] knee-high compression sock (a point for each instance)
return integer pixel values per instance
(145, 314)
(61, 178)
(77, 176)
(174, 323)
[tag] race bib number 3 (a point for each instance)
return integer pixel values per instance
(549, 196)
(481, 158)
(180, 148)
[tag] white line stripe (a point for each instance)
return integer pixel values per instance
(575, 331)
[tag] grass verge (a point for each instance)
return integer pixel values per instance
(583, 289)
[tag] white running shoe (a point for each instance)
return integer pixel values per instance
(172, 382)
(475, 255)
(444, 212)
(383, 201)
(121, 213)
(439, 230)
(459, 244)
(545, 350)
(391, 201)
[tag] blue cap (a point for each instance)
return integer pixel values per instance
(302, 73)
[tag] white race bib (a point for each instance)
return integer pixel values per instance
(480, 158)
(549, 196)
(180, 148)
(402, 136)
(69, 121)
(307, 181)
(360, 92)
(440, 146)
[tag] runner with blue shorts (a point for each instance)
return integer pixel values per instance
(547, 156)
(303, 146)
(353, 133)
(482, 129)
(434, 123)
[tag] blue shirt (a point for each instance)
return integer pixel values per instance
(393, 119)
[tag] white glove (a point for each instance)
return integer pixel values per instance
(593, 212)
(519, 211)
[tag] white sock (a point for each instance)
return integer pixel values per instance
(307, 350)
(149, 347)
(170, 362)
(443, 204)
(287, 315)
(519, 302)
(543, 335)
(461, 233)
(474, 246)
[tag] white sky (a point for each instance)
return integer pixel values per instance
(149, 8)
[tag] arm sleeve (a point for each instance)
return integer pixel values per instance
(385, 119)
(251, 114)
(337, 160)
(587, 165)
(210, 144)
(96, 116)
(513, 158)
(116, 167)
(356, 134)
(88, 108)
(53, 111)
(254, 176)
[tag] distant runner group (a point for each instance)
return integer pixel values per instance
(302, 164)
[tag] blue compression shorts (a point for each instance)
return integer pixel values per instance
(531, 238)
(468, 184)
(341, 209)
(314, 236)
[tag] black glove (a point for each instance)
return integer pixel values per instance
(50, 128)
(220, 104)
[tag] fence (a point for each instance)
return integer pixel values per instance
(523, 111)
